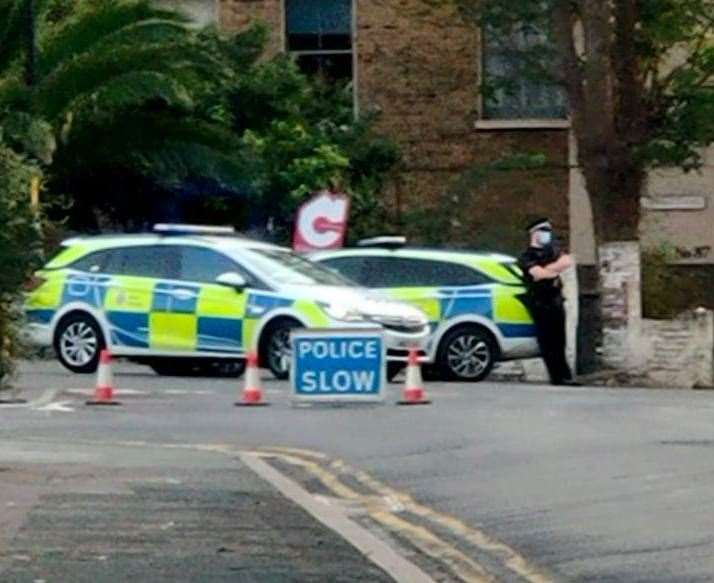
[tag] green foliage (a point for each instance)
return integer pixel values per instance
(439, 225)
(20, 247)
(672, 64)
(124, 75)
(301, 136)
(669, 290)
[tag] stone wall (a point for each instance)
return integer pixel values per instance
(670, 353)
(679, 352)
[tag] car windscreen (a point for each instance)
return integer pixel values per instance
(286, 267)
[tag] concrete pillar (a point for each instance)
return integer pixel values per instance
(620, 273)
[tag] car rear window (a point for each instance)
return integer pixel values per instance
(392, 272)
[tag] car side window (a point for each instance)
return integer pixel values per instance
(350, 267)
(205, 265)
(93, 263)
(389, 272)
(156, 261)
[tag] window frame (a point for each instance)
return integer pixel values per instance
(353, 50)
(486, 124)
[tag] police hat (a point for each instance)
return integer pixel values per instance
(539, 225)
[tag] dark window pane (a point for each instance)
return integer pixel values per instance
(150, 261)
(332, 68)
(518, 93)
(319, 16)
(349, 267)
(92, 263)
(398, 272)
(317, 42)
(204, 265)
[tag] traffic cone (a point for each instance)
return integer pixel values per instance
(413, 392)
(104, 391)
(252, 393)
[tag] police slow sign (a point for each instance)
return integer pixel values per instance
(338, 365)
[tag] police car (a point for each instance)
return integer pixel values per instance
(471, 299)
(187, 298)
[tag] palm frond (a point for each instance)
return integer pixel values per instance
(86, 74)
(131, 91)
(98, 24)
(142, 140)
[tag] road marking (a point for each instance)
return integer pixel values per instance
(457, 562)
(393, 501)
(334, 518)
(381, 507)
(60, 406)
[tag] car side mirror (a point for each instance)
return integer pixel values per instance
(232, 279)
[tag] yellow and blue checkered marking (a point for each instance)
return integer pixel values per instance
(493, 302)
(148, 314)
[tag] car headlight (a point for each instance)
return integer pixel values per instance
(342, 312)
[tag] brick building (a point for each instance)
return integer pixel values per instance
(420, 65)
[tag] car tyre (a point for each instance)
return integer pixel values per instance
(276, 352)
(78, 342)
(467, 354)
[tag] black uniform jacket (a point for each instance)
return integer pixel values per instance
(545, 291)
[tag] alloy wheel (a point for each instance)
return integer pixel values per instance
(79, 344)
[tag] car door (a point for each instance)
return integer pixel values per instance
(220, 309)
(140, 302)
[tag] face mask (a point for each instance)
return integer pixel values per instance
(544, 238)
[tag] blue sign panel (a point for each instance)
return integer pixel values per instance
(340, 365)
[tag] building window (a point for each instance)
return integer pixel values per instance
(319, 34)
(512, 91)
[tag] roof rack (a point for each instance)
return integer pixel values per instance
(384, 242)
(180, 229)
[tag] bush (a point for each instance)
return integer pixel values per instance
(20, 249)
(669, 289)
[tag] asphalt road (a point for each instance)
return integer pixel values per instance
(524, 482)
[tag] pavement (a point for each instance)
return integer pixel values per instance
(159, 515)
(492, 482)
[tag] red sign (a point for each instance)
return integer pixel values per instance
(321, 222)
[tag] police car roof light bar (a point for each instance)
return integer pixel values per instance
(385, 242)
(179, 229)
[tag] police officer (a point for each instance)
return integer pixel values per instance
(542, 263)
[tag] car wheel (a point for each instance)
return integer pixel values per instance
(276, 351)
(78, 342)
(467, 354)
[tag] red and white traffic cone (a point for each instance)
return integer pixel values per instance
(252, 392)
(413, 392)
(104, 391)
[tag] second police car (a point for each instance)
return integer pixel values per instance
(185, 299)
(473, 300)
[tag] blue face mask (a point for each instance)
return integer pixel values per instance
(544, 238)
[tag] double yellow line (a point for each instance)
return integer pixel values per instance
(391, 509)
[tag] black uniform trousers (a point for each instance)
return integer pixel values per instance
(549, 319)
